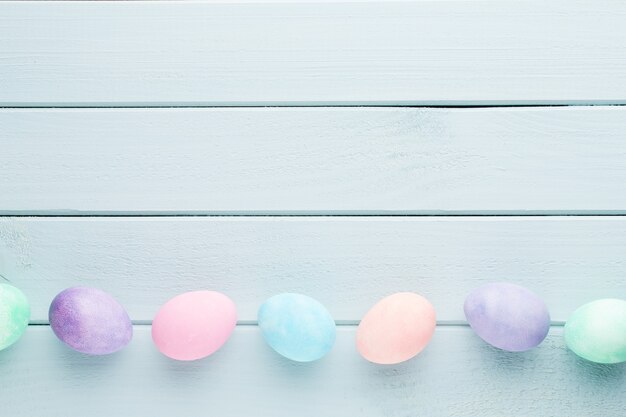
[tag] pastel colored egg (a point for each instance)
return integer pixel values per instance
(194, 325)
(90, 321)
(297, 327)
(507, 316)
(597, 331)
(396, 329)
(14, 315)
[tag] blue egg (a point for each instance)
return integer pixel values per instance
(296, 326)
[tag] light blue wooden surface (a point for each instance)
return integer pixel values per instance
(304, 52)
(348, 263)
(494, 165)
(457, 375)
(541, 160)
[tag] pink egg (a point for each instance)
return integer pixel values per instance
(194, 325)
(396, 329)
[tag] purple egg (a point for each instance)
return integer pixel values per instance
(507, 316)
(90, 321)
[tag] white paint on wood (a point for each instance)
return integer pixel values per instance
(346, 263)
(457, 375)
(371, 52)
(314, 160)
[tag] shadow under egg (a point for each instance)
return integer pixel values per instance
(595, 374)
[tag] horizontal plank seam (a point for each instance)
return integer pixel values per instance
(419, 105)
(287, 214)
(341, 323)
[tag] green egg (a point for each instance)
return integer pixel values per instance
(597, 331)
(14, 315)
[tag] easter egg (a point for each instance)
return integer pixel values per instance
(90, 321)
(297, 327)
(14, 315)
(597, 331)
(507, 316)
(194, 325)
(396, 328)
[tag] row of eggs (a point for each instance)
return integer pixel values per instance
(195, 324)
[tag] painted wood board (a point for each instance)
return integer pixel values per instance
(346, 263)
(458, 52)
(313, 161)
(456, 375)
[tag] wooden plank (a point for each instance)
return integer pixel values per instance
(346, 263)
(456, 375)
(290, 53)
(313, 160)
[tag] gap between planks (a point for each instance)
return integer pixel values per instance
(447, 104)
(305, 105)
(338, 323)
(329, 213)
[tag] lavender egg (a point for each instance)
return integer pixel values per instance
(90, 321)
(507, 316)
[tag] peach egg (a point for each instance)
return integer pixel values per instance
(396, 329)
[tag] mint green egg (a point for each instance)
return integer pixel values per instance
(597, 331)
(14, 315)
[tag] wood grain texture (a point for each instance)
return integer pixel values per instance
(314, 160)
(365, 52)
(457, 375)
(346, 263)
